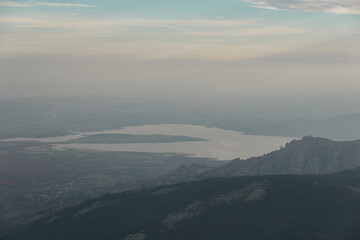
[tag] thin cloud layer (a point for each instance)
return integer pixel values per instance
(146, 38)
(46, 4)
(133, 35)
(13, 4)
(330, 6)
(62, 4)
(198, 27)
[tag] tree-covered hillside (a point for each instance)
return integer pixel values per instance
(263, 207)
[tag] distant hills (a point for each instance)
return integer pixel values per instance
(316, 207)
(45, 117)
(344, 127)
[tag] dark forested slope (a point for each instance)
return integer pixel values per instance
(263, 207)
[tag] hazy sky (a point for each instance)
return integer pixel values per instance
(173, 48)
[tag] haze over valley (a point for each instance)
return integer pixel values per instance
(151, 120)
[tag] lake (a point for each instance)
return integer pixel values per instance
(221, 144)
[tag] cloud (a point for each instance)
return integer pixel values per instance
(13, 4)
(86, 24)
(330, 6)
(47, 4)
(146, 38)
(196, 27)
(264, 31)
(62, 4)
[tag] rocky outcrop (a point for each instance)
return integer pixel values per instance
(251, 192)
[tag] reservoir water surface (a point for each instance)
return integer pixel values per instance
(220, 144)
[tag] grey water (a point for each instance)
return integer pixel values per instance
(221, 144)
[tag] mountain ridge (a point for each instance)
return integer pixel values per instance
(309, 155)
